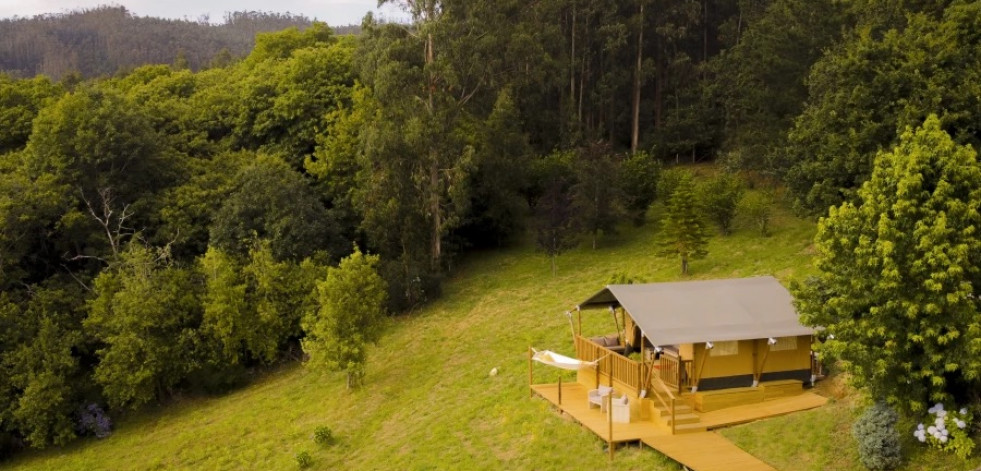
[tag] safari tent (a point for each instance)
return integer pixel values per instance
(700, 336)
(685, 357)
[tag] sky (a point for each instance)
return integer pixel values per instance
(333, 12)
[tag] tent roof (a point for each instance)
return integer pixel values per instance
(701, 311)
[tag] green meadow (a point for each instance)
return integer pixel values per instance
(429, 402)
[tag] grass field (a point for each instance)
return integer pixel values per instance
(428, 400)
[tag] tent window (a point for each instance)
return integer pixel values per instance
(726, 348)
(784, 343)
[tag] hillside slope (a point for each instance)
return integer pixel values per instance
(428, 401)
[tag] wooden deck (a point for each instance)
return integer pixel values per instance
(575, 403)
(768, 408)
(700, 451)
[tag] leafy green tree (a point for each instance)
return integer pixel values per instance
(42, 379)
(685, 234)
(20, 102)
(502, 161)
(758, 207)
(596, 197)
(555, 223)
(639, 176)
(145, 313)
(226, 308)
(876, 82)
(719, 197)
(348, 317)
(251, 308)
(272, 201)
(899, 271)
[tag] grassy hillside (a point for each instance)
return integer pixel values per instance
(428, 401)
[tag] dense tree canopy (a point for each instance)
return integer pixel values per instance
(878, 80)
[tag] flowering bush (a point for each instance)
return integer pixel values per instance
(92, 420)
(947, 430)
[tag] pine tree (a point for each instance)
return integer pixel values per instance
(685, 232)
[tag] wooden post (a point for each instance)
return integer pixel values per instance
(698, 376)
(609, 414)
(673, 421)
(531, 392)
(560, 390)
(640, 375)
(759, 374)
(597, 374)
(609, 373)
(579, 315)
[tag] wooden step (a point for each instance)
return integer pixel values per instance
(678, 409)
(689, 428)
(682, 419)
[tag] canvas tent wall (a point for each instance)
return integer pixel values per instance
(739, 316)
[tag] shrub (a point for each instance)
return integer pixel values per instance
(758, 207)
(322, 435)
(304, 460)
(947, 430)
(720, 196)
(878, 441)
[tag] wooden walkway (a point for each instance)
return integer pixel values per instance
(701, 451)
(706, 451)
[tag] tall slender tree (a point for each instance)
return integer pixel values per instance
(685, 232)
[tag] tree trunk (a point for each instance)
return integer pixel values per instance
(635, 125)
(434, 206)
(659, 77)
(684, 264)
(572, 58)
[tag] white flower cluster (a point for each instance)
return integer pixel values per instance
(939, 429)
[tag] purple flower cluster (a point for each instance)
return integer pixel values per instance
(93, 420)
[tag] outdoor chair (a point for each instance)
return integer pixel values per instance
(596, 397)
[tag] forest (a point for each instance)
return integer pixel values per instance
(108, 40)
(166, 214)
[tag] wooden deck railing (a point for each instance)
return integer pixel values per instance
(618, 367)
(663, 395)
(675, 372)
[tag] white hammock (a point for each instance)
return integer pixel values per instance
(551, 358)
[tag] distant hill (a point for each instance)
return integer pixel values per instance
(108, 39)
